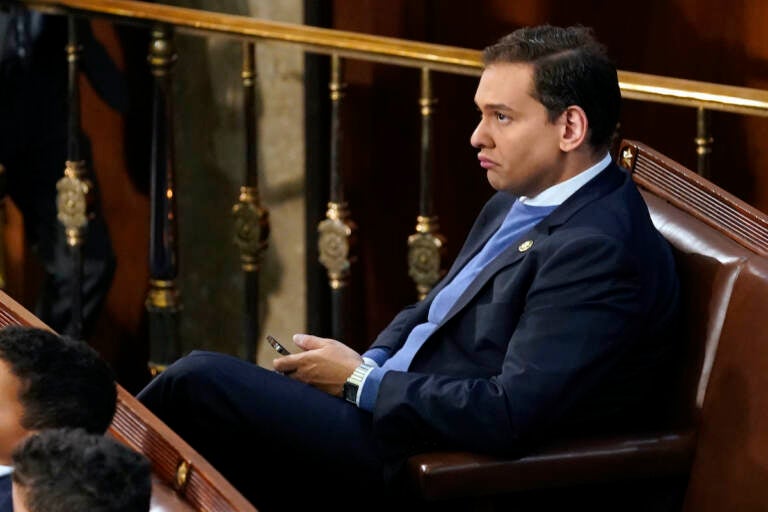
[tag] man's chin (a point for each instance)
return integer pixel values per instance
(493, 181)
(499, 185)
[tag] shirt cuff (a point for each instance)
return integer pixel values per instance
(376, 356)
(369, 389)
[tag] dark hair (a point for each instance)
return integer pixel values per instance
(64, 382)
(569, 68)
(64, 470)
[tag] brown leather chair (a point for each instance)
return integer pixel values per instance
(717, 426)
(182, 481)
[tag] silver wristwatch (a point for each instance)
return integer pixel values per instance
(354, 381)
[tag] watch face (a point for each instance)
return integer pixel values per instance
(350, 392)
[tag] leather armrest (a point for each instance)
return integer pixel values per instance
(453, 474)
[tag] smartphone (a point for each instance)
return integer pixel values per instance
(277, 346)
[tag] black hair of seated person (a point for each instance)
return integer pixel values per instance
(70, 470)
(64, 382)
(570, 67)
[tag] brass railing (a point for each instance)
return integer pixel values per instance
(636, 86)
(335, 245)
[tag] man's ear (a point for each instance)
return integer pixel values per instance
(575, 128)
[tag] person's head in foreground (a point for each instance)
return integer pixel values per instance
(50, 381)
(65, 470)
(549, 100)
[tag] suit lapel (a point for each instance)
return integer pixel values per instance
(482, 232)
(603, 183)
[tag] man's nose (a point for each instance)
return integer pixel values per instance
(479, 137)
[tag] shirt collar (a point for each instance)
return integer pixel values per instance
(557, 194)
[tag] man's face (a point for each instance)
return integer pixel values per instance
(519, 146)
(11, 413)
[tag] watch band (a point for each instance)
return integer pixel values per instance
(353, 383)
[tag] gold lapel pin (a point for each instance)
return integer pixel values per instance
(525, 245)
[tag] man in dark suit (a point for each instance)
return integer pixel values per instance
(553, 320)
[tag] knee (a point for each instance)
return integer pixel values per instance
(198, 365)
(180, 380)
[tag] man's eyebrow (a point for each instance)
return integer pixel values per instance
(496, 106)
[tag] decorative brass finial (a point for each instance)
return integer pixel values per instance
(425, 249)
(334, 242)
(628, 157)
(336, 86)
(248, 73)
(162, 51)
(426, 100)
(74, 196)
(251, 228)
(73, 52)
(163, 295)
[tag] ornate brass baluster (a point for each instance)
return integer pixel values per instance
(163, 300)
(336, 231)
(74, 191)
(251, 219)
(703, 141)
(426, 246)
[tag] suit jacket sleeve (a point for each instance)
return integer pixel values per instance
(584, 306)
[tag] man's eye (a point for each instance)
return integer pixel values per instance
(501, 117)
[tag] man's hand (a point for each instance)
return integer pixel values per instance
(325, 363)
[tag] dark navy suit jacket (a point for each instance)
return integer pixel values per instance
(6, 500)
(567, 329)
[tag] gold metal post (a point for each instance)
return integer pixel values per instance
(163, 301)
(703, 141)
(426, 246)
(336, 232)
(251, 219)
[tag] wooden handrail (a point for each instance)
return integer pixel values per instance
(638, 86)
(322, 40)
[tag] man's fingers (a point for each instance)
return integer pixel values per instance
(309, 342)
(286, 364)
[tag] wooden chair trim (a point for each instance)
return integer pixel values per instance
(695, 195)
(198, 481)
(13, 313)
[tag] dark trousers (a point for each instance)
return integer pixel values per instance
(285, 445)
